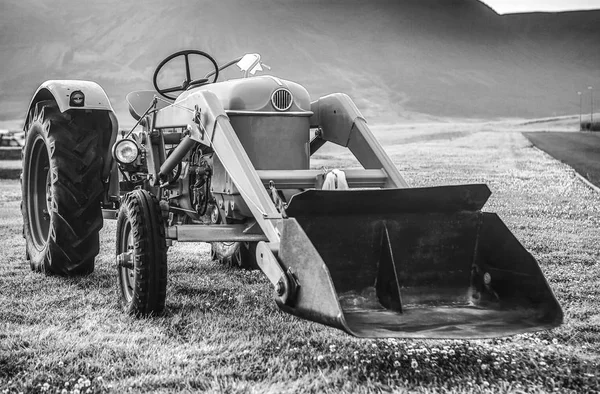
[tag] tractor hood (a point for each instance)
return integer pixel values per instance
(262, 94)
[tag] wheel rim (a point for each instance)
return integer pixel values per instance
(227, 249)
(39, 196)
(127, 275)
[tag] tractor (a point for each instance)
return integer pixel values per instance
(229, 163)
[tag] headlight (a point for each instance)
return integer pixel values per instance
(126, 151)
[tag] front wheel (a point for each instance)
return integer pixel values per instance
(141, 254)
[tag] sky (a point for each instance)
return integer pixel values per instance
(516, 6)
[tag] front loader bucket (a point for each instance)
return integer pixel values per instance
(418, 262)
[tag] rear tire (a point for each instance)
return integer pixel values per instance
(232, 254)
(62, 189)
(235, 254)
(141, 244)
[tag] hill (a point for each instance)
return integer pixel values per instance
(399, 61)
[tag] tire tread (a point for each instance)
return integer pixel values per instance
(75, 153)
(143, 212)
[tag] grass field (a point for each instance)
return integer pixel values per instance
(223, 333)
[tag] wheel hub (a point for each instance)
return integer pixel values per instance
(125, 260)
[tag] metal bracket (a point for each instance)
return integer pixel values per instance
(277, 200)
(198, 120)
(294, 285)
(150, 108)
(284, 284)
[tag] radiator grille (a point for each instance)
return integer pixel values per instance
(281, 99)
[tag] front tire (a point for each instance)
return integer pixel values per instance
(62, 189)
(141, 254)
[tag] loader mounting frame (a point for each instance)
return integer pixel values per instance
(335, 119)
(437, 225)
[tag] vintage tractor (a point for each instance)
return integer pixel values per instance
(229, 163)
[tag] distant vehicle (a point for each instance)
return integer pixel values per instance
(12, 138)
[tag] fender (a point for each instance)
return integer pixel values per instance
(94, 98)
(61, 90)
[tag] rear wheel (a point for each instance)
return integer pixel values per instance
(235, 254)
(232, 254)
(62, 189)
(141, 254)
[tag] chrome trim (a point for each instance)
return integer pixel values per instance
(275, 79)
(123, 141)
(267, 113)
(282, 99)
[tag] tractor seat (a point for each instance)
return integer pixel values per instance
(140, 100)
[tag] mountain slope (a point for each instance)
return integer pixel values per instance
(398, 60)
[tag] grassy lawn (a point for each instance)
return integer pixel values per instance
(223, 333)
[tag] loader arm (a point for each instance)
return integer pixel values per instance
(208, 123)
(390, 262)
(340, 122)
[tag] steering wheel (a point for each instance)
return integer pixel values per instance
(188, 82)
